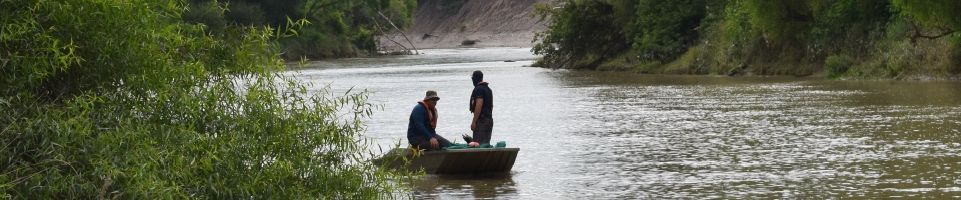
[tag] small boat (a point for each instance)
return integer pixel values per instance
(452, 161)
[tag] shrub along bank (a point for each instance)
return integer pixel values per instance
(123, 99)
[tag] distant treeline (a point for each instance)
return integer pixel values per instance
(836, 38)
(337, 28)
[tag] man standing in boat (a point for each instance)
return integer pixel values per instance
(482, 105)
(421, 131)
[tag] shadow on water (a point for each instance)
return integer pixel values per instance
(483, 186)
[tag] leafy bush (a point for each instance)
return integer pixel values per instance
(581, 34)
(780, 20)
(668, 27)
(837, 65)
(119, 98)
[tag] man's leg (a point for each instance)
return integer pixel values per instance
(482, 133)
(443, 142)
(419, 143)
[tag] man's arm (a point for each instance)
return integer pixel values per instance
(478, 104)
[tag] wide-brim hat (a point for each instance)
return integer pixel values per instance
(431, 95)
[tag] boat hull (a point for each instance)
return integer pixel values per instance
(453, 161)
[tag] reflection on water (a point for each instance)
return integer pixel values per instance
(465, 186)
(604, 135)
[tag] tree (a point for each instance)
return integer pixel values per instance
(121, 99)
(940, 15)
(667, 27)
(581, 34)
(780, 20)
(337, 28)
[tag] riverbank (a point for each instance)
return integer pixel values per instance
(895, 60)
(840, 39)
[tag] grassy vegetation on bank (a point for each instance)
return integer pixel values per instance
(105, 99)
(836, 38)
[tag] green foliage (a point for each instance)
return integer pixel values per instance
(787, 37)
(837, 65)
(59, 55)
(667, 27)
(337, 28)
(847, 24)
(120, 99)
(934, 13)
(581, 34)
(735, 23)
(352, 25)
(591, 31)
(249, 14)
(206, 13)
(780, 20)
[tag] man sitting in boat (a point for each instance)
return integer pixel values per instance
(421, 132)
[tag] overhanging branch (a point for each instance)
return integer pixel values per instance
(919, 33)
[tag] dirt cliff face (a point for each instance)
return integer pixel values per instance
(471, 23)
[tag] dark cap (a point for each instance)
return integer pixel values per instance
(477, 77)
(431, 95)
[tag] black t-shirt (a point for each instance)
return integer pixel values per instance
(483, 92)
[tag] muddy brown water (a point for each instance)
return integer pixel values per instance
(600, 135)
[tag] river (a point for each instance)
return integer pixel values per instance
(605, 135)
